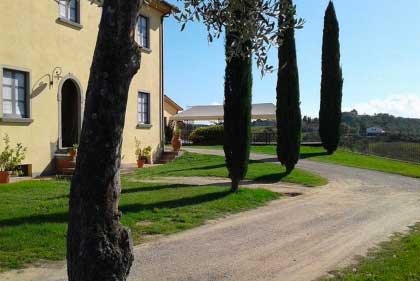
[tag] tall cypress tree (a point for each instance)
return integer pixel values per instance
(331, 84)
(289, 119)
(237, 112)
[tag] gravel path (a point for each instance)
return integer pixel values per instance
(299, 238)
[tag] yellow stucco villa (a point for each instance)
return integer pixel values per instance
(44, 70)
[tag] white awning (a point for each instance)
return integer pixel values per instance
(265, 111)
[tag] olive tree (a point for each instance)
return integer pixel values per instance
(255, 22)
(251, 28)
(98, 246)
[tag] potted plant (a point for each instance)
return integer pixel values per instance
(176, 140)
(143, 154)
(10, 159)
(73, 151)
(147, 154)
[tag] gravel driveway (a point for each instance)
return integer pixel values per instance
(299, 238)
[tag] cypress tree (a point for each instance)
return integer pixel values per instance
(237, 112)
(331, 84)
(289, 119)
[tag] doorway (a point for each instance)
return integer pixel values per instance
(70, 113)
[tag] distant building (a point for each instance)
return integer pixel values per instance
(375, 131)
(170, 108)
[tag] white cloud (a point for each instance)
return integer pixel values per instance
(404, 105)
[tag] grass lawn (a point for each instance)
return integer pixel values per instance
(345, 158)
(397, 260)
(33, 214)
(191, 164)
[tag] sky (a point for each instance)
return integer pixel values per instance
(380, 57)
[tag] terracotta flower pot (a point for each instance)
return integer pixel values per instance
(72, 154)
(140, 163)
(176, 143)
(4, 177)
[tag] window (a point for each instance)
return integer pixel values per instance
(143, 109)
(69, 10)
(15, 98)
(143, 27)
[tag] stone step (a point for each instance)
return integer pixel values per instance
(65, 164)
(62, 164)
(67, 171)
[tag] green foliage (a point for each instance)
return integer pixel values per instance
(177, 132)
(33, 214)
(74, 149)
(405, 128)
(237, 112)
(289, 119)
(10, 157)
(211, 135)
(169, 131)
(331, 84)
(142, 153)
(253, 20)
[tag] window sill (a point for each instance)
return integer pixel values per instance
(146, 50)
(69, 23)
(144, 126)
(23, 121)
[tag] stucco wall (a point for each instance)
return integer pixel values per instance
(169, 111)
(31, 38)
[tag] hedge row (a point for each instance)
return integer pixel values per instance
(211, 135)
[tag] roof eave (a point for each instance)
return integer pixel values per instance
(174, 104)
(162, 6)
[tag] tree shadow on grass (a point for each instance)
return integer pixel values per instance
(211, 167)
(172, 204)
(174, 171)
(62, 217)
(271, 178)
(265, 160)
(126, 190)
(313, 154)
(153, 188)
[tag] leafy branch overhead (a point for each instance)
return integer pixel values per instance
(258, 25)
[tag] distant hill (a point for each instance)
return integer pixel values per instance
(391, 124)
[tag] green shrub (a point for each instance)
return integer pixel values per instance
(11, 158)
(211, 135)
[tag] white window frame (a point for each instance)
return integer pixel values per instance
(13, 118)
(140, 110)
(140, 34)
(65, 4)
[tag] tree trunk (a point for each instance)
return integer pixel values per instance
(98, 246)
(234, 186)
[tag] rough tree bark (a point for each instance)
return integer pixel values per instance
(98, 246)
